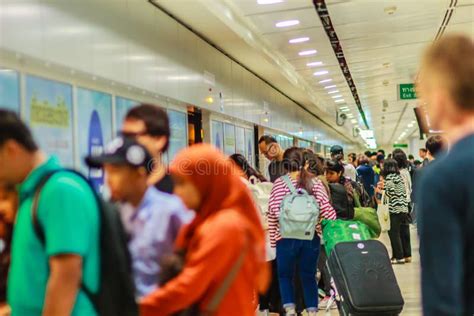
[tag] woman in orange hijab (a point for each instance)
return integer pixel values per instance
(224, 265)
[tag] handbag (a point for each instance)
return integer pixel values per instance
(383, 213)
(368, 216)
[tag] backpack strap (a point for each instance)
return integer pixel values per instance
(289, 184)
(39, 231)
(356, 198)
(225, 285)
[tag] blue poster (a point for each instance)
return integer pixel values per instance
(94, 121)
(217, 138)
(48, 111)
(122, 106)
(10, 90)
(179, 136)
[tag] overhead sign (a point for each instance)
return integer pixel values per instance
(400, 145)
(406, 91)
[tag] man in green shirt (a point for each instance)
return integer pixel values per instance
(44, 279)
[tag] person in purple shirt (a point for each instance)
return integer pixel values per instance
(151, 218)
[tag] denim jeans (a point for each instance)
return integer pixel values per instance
(291, 252)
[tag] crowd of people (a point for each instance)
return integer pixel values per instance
(211, 235)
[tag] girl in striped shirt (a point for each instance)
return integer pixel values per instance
(290, 252)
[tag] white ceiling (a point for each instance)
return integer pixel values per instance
(378, 48)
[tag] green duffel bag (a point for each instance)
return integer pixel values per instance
(368, 216)
(336, 231)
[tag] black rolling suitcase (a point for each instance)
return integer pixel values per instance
(365, 280)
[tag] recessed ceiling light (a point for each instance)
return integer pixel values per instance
(325, 80)
(336, 96)
(287, 23)
(298, 40)
(308, 52)
(330, 87)
(269, 1)
(333, 91)
(314, 64)
(321, 73)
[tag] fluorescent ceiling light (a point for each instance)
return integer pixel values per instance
(269, 1)
(308, 52)
(343, 107)
(336, 96)
(298, 40)
(339, 101)
(321, 73)
(350, 115)
(314, 64)
(287, 23)
(410, 125)
(354, 121)
(345, 110)
(325, 80)
(333, 91)
(330, 87)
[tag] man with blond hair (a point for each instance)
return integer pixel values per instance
(445, 194)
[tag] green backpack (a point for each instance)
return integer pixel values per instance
(299, 213)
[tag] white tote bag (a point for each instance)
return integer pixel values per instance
(383, 213)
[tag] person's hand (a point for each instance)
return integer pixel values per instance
(380, 187)
(5, 310)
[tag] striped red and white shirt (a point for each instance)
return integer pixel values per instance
(280, 190)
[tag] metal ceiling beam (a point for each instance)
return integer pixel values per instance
(323, 13)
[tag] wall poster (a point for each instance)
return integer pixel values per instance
(217, 134)
(240, 140)
(48, 111)
(229, 139)
(249, 146)
(94, 119)
(179, 135)
(122, 106)
(10, 90)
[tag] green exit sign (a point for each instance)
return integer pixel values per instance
(400, 145)
(406, 91)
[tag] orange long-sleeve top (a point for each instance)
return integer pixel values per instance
(213, 251)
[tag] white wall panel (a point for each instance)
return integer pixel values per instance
(132, 43)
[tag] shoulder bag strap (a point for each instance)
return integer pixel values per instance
(225, 285)
(289, 184)
(356, 198)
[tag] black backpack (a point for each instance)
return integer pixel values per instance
(116, 295)
(340, 201)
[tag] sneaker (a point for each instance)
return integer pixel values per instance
(323, 304)
(398, 261)
(321, 293)
(290, 311)
(408, 260)
(264, 313)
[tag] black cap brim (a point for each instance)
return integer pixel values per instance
(99, 161)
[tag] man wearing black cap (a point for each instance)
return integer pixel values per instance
(152, 218)
(337, 153)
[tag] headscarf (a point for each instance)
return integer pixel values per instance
(218, 180)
